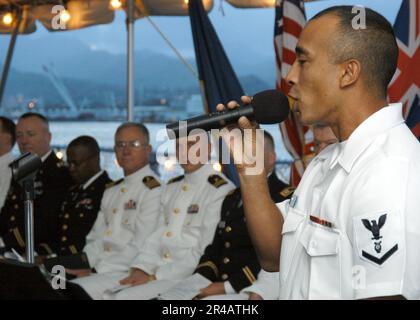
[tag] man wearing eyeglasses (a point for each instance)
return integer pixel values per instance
(190, 212)
(130, 208)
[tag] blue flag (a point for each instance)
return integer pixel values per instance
(217, 78)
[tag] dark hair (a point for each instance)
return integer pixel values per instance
(375, 46)
(142, 128)
(35, 115)
(270, 139)
(8, 126)
(87, 142)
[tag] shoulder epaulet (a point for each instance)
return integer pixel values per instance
(151, 182)
(286, 192)
(113, 183)
(176, 179)
(216, 180)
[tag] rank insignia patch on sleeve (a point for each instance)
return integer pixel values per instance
(377, 236)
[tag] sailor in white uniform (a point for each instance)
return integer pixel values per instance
(191, 206)
(129, 209)
(7, 141)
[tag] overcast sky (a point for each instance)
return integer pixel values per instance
(240, 30)
(237, 27)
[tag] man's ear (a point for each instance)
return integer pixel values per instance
(350, 72)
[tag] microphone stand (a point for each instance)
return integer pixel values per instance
(28, 198)
(24, 170)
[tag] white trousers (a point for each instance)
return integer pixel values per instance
(145, 291)
(96, 284)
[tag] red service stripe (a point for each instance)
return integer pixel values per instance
(320, 221)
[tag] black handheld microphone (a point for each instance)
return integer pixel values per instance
(267, 107)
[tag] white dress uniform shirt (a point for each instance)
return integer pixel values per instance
(5, 176)
(129, 212)
(191, 207)
(352, 228)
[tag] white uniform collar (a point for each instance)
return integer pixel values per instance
(7, 158)
(92, 180)
(45, 156)
(198, 175)
(379, 122)
(138, 175)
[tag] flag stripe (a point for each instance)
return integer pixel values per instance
(289, 22)
(405, 85)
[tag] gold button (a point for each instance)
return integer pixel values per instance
(185, 187)
(166, 255)
(176, 210)
(169, 234)
(109, 233)
(16, 206)
(123, 189)
(14, 197)
(228, 229)
(227, 244)
(12, 218)
(108, 248)
(64, 239)
(224, 276)
(125, 221)
(226, 260)
(81, 215)
(66, 216)
(65, 227)
(114, 211)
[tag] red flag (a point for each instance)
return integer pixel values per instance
(405, 86)
(289, 22)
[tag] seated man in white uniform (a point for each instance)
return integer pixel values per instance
(190, 212)
(130, 208)
(7, 141)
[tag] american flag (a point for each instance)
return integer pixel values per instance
(405, 86)
(289, 22)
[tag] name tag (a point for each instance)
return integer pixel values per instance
(192, 209)
(130, 205)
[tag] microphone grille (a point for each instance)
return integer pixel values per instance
(270, 106)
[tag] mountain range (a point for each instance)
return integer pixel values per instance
(92, 73)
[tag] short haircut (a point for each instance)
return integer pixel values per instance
(87, 142)
(36, 115)
(375, 46)
(141, 127)
(269, 138)
(8, 126)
